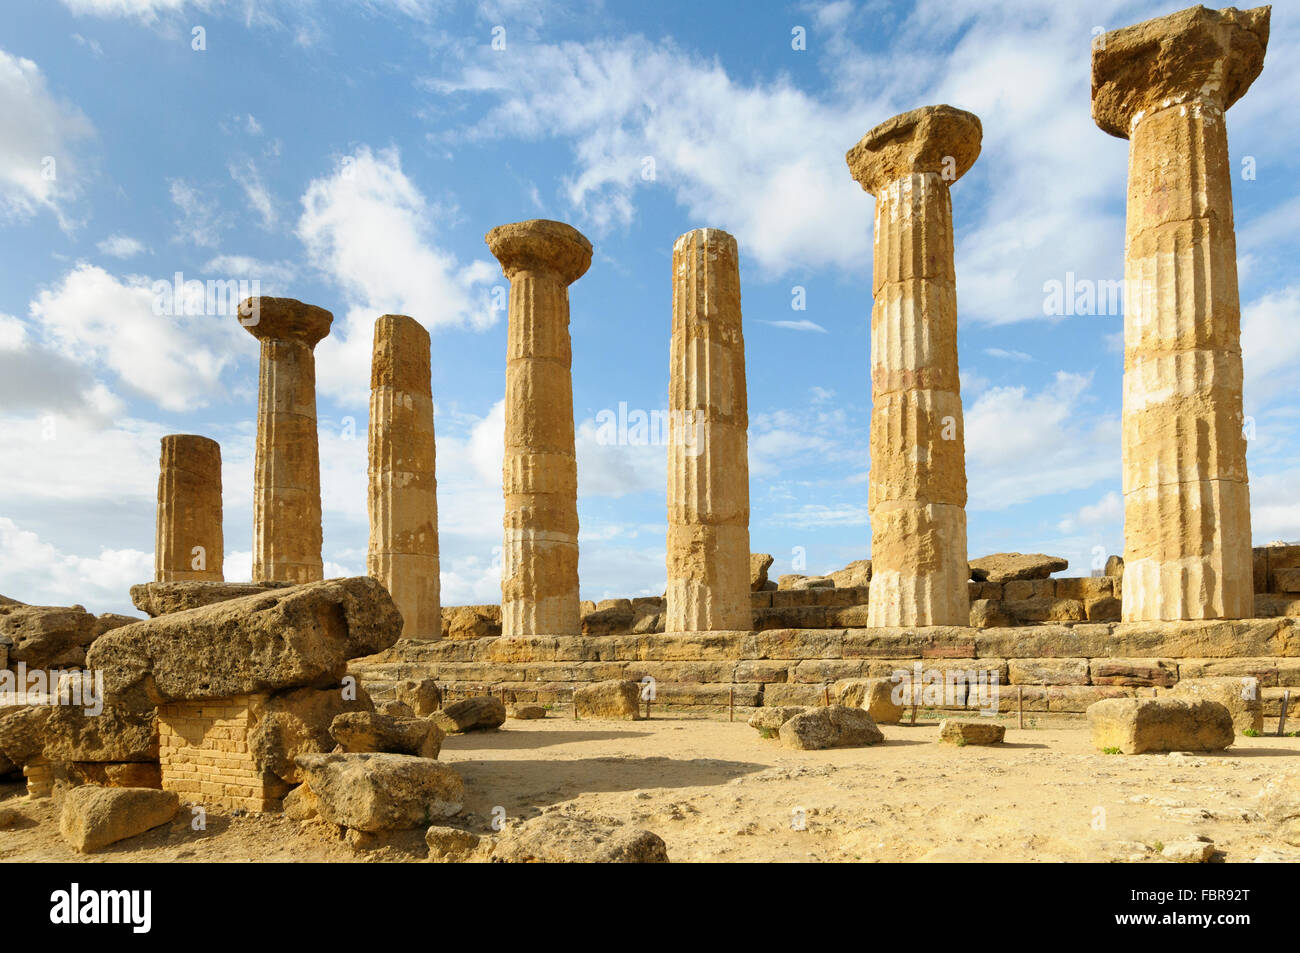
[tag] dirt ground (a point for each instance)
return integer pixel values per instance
(716, 791)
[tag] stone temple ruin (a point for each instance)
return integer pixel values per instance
(235, 694)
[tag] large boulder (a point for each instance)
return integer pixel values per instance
(422, 695)
(381, 792)
(768, 721)
(116, 733)
(1008, 567)
(370, 731)
(1138, 725)
(875, 695)
(834, 726)
(959, 732)
(22, 732)
(1240, 695)
(45, 637)
(553, 839)
(614, 698)
(162, 598)
(286, 638)
(480, 713)
(855, 575)
(759, 564)
(471, 622)
(297, 722)
(94, 817)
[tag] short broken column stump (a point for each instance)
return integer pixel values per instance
(204, 752)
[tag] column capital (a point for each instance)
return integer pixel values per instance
(939, 139)
(284, 319)
(541, 245)
(1195, 55)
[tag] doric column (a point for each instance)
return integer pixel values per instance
(286, 465)
(188, 543)
(708, 463)
(1165, 85)
(539, 563)
(917, 485)
(403, 498)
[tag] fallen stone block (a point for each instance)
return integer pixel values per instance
(286, 638)
(1138, 725)
(1188, 852)
(1008, 567)
(380, 792)
(471, 622)
(833, 726)
(553, 839)
(163, 598)
(297, 722)
(768, 721)
(759, 564)
(971, 732)
(479, 713)
(369, 731)
(422, 695)
(46, 637)
(129, 774)
(1240, 695)
(875, 695)
(94, 817)
(116, 733)
(528, 712)
(614, 698)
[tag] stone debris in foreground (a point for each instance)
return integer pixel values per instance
(94, 817)
(834, 726)
(1240, 695)
(609, 699)
(480, 713)
(370, 731)
(422, 695)
(875, 695)
(1140, 725)
(1188, 852)
(161, 598)
(373, 792)
(554, 839)
(958, 732)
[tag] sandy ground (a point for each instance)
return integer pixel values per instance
(716, 791)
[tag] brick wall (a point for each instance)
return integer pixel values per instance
(204, 754)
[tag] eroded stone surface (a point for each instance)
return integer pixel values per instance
(188, 543)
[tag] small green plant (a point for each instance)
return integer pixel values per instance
(960, 742)
(1158, 847)
(767, 732)
(1111, 749)
(1251, 733)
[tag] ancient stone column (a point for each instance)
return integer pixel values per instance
(403, 497)
(1165, 85)
(188, 543)
(286, 465)
(708, 457)
(539, 563)
(917, 485)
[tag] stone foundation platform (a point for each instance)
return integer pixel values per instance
(1058, 668)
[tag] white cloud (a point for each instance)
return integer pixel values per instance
(1270, 347)
(121, 246)
(259, 197)
(1108, 510)
(272, 276)
(200, 223)
(39, 168)
(804, 325)
(146, 10)
(175, 360)
(40, 574)
(369, 229)
(1008, 355)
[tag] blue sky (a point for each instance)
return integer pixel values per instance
(354, 154)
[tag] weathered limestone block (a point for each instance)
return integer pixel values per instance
(297, 722)
(160, 598)
(1241, 696)
(480, 713)
(116, 733)
(46, 637)
(917, 487)
(381, 791)
(833, 726)
(612, 698)
(94, 817)
(1136, 726)
(708, 464)
(286, 465)
(422, 695)
(471, 622)
(554, 839)
(370, 731)
(188, 541)
(539, 572)
(971, 732)
(110, 774)
(1010, 567)
(874, 695)
(759, 564)
(856, 574)
(1052, 671)
(1165, 85)
(282, 639)
(403, 498)
(768, 721)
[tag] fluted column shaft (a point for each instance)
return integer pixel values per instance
(916, 492)
(403, 501)
(1166, 85)
(708, 465)
(539, 564)
(188, 543)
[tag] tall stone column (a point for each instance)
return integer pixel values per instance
(188, 543)
(539, 564)
(708, 457)
(917, 485)
(1165, 85)
(286, 465)
(403, 496)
